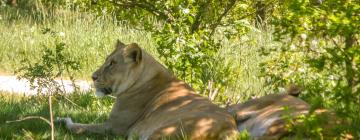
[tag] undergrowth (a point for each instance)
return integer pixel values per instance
(89, 109)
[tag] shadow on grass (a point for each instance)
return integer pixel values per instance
(13, 107)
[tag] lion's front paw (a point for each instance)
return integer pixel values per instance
(70, 125)
(66, 120)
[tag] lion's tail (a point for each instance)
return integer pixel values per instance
(294, 90)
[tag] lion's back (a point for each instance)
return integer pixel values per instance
(181, 113)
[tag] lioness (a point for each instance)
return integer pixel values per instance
(151, 103)
(264, 118)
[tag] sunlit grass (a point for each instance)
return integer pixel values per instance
(88, 38)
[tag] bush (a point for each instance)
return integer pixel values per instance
(320, 51)
(53, 64)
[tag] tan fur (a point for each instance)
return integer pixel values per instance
(266, 117)
(263, 117)
(153, 104)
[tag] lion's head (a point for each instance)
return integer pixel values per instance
(121, 69)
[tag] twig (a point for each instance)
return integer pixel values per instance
(238, 100)
(51, 119)
(214, 94)
(30, 117)
(51, 122)
(73, 102)
(112, 96)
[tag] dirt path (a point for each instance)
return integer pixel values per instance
(11, 84)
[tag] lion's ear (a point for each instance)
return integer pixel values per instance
(132, 53)
(119, 44)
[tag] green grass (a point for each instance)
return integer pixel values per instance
(88, 38)
(14, 107)
(244, 56)
(88, 109)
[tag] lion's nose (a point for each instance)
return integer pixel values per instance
(94, 77)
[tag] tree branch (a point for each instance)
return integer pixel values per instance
(144, 5)
(218, 21)
(203, 7)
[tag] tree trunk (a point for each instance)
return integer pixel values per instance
(260, 13)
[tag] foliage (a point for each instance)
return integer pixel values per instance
(88, 38)
(187, 33)
(53, 64)
(204, 52)
(320, 51)
(212, 45)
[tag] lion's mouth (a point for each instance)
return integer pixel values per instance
(106, 91)
(100, 92)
